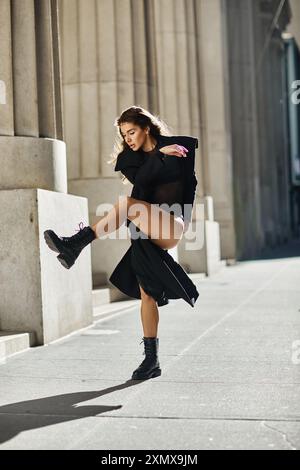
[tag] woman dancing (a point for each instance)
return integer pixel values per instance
(159, 207)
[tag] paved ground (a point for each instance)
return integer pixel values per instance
(230, 373)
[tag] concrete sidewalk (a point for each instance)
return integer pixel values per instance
(230, 374)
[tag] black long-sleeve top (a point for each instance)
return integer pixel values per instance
(161, 179)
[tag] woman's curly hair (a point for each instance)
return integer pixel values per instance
(139, 117)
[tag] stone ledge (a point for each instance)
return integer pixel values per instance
(14, 342)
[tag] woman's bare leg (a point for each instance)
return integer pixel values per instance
(160, 226)
(149, 315)
(113, 219)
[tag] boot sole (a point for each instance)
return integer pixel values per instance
(64, 261)
(154, 373)
(50, 242)
(50, 238)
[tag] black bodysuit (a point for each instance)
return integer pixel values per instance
(162, 179)
(167, 181)
(159, 180)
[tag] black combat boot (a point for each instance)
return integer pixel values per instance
(150, 367)
(69, 248)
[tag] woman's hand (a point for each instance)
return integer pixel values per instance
(174, 149)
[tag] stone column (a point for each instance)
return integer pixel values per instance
(212, 58)
(38, 295)
(178, 80)
(271, 116)
(258, 125)
(105, 69)
(294, 26)
(241, 17)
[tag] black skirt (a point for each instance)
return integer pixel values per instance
(152, 267)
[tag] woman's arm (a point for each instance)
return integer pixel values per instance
(144, 174)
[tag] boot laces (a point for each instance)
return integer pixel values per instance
(141, 343)
(148, 349)
(81, 227)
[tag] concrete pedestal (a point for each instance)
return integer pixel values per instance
(106, 252)
(38, 294)
(199, 249)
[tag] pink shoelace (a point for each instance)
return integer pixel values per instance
(81, 227)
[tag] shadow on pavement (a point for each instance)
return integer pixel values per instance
(32, 414)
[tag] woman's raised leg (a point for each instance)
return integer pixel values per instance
(113, 219)
(163, 228)
(160, 226)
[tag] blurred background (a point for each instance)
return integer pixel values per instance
(225, 71)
